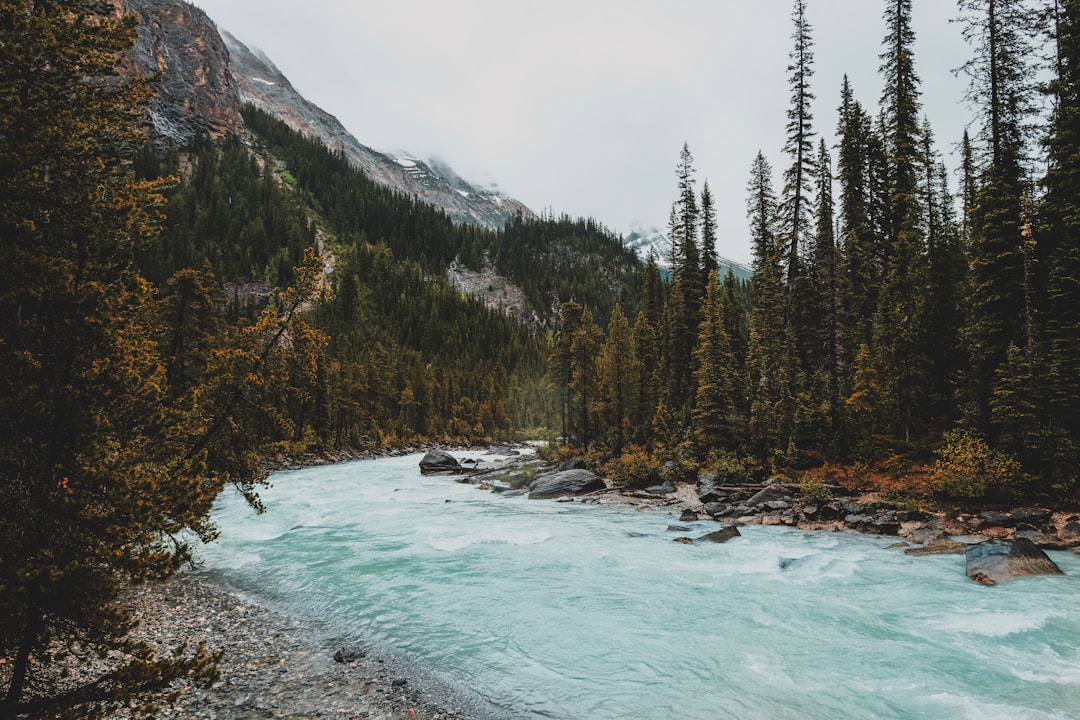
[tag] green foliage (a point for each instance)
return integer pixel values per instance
(634, 469)
(968, 467)
(813, 488)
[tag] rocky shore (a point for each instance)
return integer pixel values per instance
(279, 667)
(737, 500)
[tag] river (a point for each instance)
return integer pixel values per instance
(572, 611)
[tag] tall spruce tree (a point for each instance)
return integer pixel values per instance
(716, 423)
(709, 263)
(769, 353)
(899, 326)
(796, 203)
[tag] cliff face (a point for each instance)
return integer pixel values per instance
(197, 91)
(263, 85)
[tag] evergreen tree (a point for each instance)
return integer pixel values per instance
(825, 360)
(715, 417)
(106, 470)
(769, 357)
(900, 325)
(618, 371)
(709, 263)
(859, 267)
(796, 203)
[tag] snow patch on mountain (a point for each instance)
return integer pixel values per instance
(647, 241)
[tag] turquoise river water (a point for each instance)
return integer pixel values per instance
(571, 611)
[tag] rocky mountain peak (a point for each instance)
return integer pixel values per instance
(197, 91)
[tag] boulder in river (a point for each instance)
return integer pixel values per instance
(567, 482)
(722, 535)
(439, 461)
(994, 561)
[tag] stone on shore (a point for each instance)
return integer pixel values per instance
(439, 461)
(995, 561)
(771, 492)
(666, 489)
(567, 482)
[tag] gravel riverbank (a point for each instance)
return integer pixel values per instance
(280, 667)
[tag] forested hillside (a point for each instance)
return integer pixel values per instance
(407, 357)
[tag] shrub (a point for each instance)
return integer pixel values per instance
(968, 467)
(634, 469)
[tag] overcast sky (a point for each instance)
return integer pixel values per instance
(582, 106)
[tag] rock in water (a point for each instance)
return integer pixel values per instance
(994, 561)
(722, 535)
(439, 461)
(567, 482)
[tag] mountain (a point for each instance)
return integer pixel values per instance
(207, 75)
(197, 92)
(644, 241)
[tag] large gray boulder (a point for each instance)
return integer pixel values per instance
(439, 461)
(567, 482)
(994, 561)
(774, 491)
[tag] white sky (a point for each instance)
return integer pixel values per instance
(582, 106)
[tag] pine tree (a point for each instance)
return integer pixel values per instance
(106, 471)
(709, 263)
(900, 325)
(796, 203)
(826, 357)
(618, 370)
(769, 353)
(715, 414)
(859, 267)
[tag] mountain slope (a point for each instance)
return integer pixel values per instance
(207, 75)
(261, 83)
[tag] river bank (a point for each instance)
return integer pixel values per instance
(277, 666)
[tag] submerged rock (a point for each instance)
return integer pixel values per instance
(995, 561)
(439, 461)
(567, 482)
